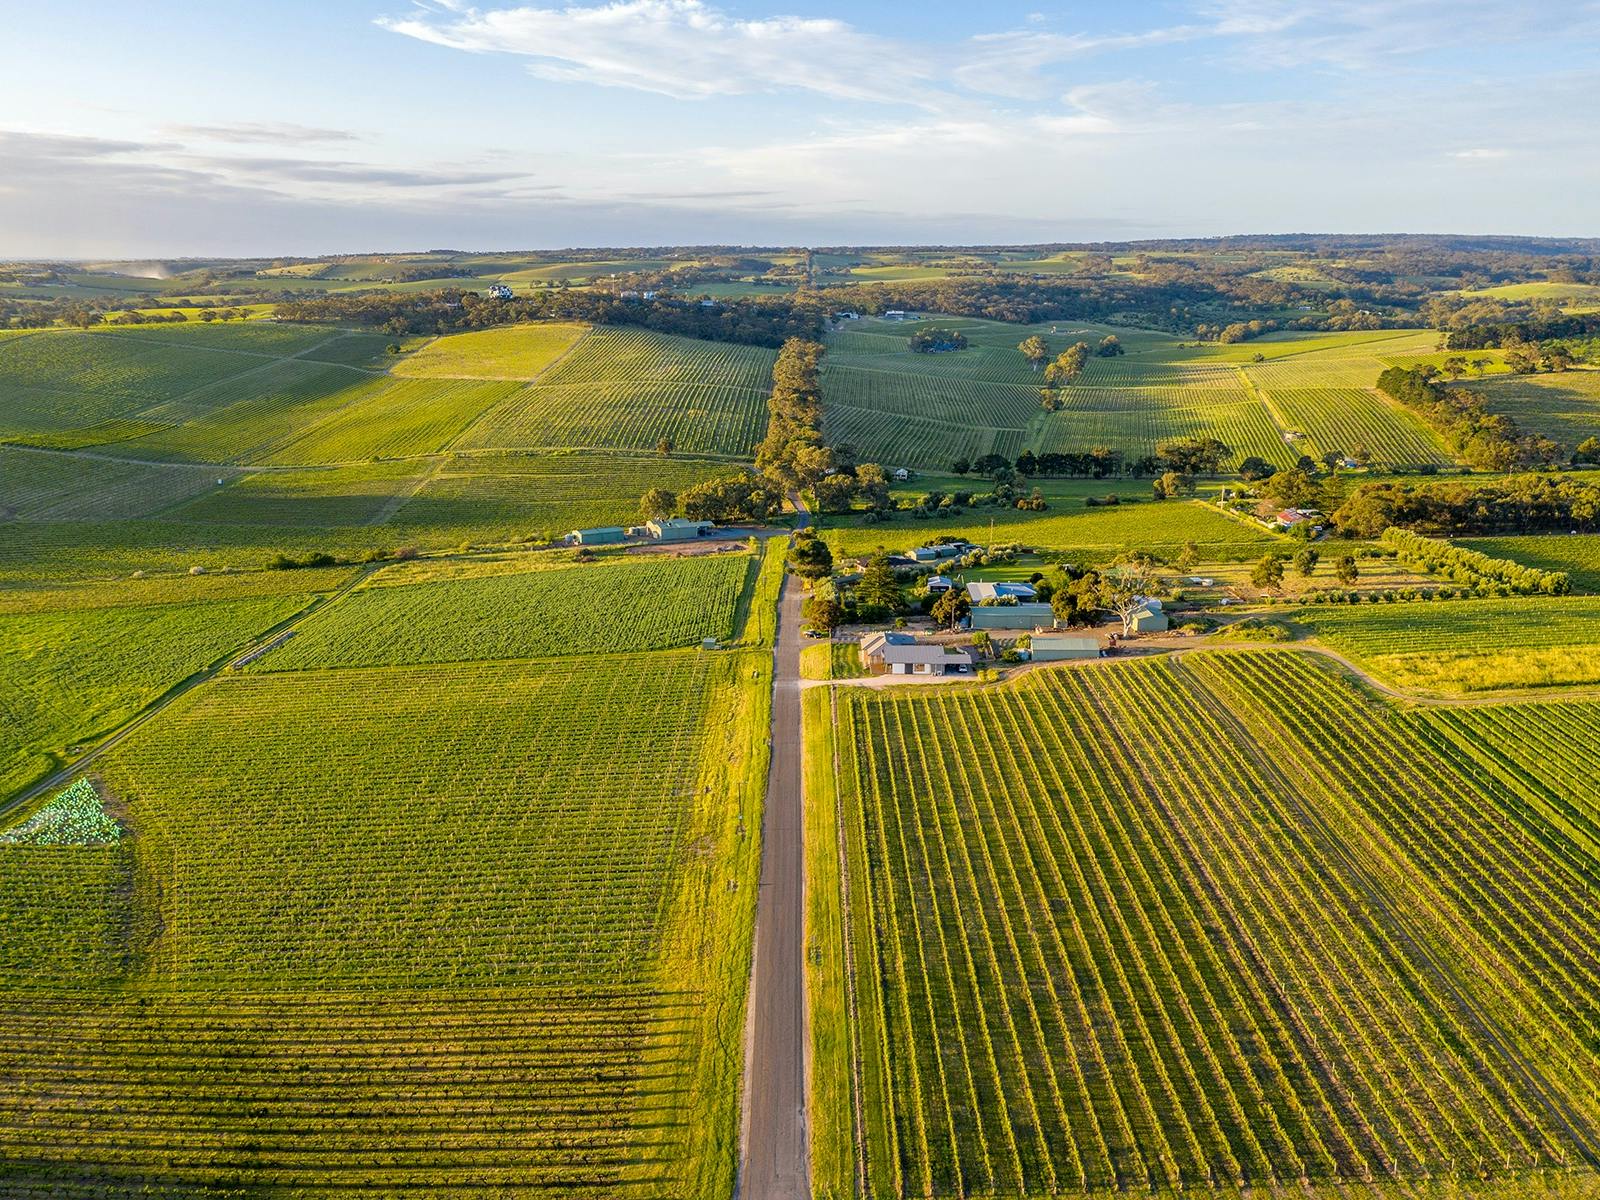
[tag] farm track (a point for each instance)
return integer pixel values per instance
(180, 689)
(775, 1159)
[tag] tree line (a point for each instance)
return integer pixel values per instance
(1474, 568)
(754, 321)
(1523, 504)
(1489, 441)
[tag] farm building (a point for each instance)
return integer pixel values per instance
(1011, 616)
(1057, 647)
(901, 654)
(939, 583)
(678, 529)
(600, 536)
(1001, 590)
(934, 553)
(901, 474)
(1291, 518)
(896, 314)
(1150, 618)
(499, 291)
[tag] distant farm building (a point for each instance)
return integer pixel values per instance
(678, 529)
(1002, 590)
(1010, 616)
(1291, 518)
(896, 314)
(901, 474)
(603, 535)
(925, 554)
(1058, 647)
(901, 654)
(939, 583)
(499, 291)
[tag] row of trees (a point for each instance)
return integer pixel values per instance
(1185, 456)
(936, 341)
(1474, 568)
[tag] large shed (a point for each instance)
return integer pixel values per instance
(1010, 616)
(599, 536)
(678, 529)
(1057, 647)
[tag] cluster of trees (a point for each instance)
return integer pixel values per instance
(936, 341)
(1534, 330)
(754, 321)
(1524, 504)
(1474, 568)
(733, 497)
(1487, 440)
(1238, 331)
(1186, 457)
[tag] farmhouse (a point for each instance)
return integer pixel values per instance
(1290, 518)
(1001, 591)
(1010, 616)
(1057, 647)
(939, 583)
(901, 474)
(600, 536)
(900, 654)
(678, 529)
(499, 291)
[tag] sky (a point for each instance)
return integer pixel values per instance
(304, 127)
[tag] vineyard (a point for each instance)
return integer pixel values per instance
(356, 494)
(67, 675)
(1564, 406)
(644, 603)
(628, 389)
(548, 933)
(1310, 395)
(56, 487)
(1577, 555)
(1161, 927)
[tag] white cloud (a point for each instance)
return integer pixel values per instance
(685, 49)
(1480, 153)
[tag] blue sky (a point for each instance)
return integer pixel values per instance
(304, 128)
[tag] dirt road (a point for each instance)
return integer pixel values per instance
(775, 1163)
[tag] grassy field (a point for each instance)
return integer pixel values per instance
(627, 604)
(69, 675)
(1310, 394)
(1454, 646)
(470, 925)
(1095, 940)
(510, 352)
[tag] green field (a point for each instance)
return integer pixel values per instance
(627, 389)
(1576, 554)
(539, 934)
(509, 352)
(1454, 646)
(624, 605)
(1312, 394)
(1564, 406)
(70, 675)
(1161, 929)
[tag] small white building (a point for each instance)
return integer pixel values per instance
(1000, 590)
(499, 291)
(901, 474)
(939, 583)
